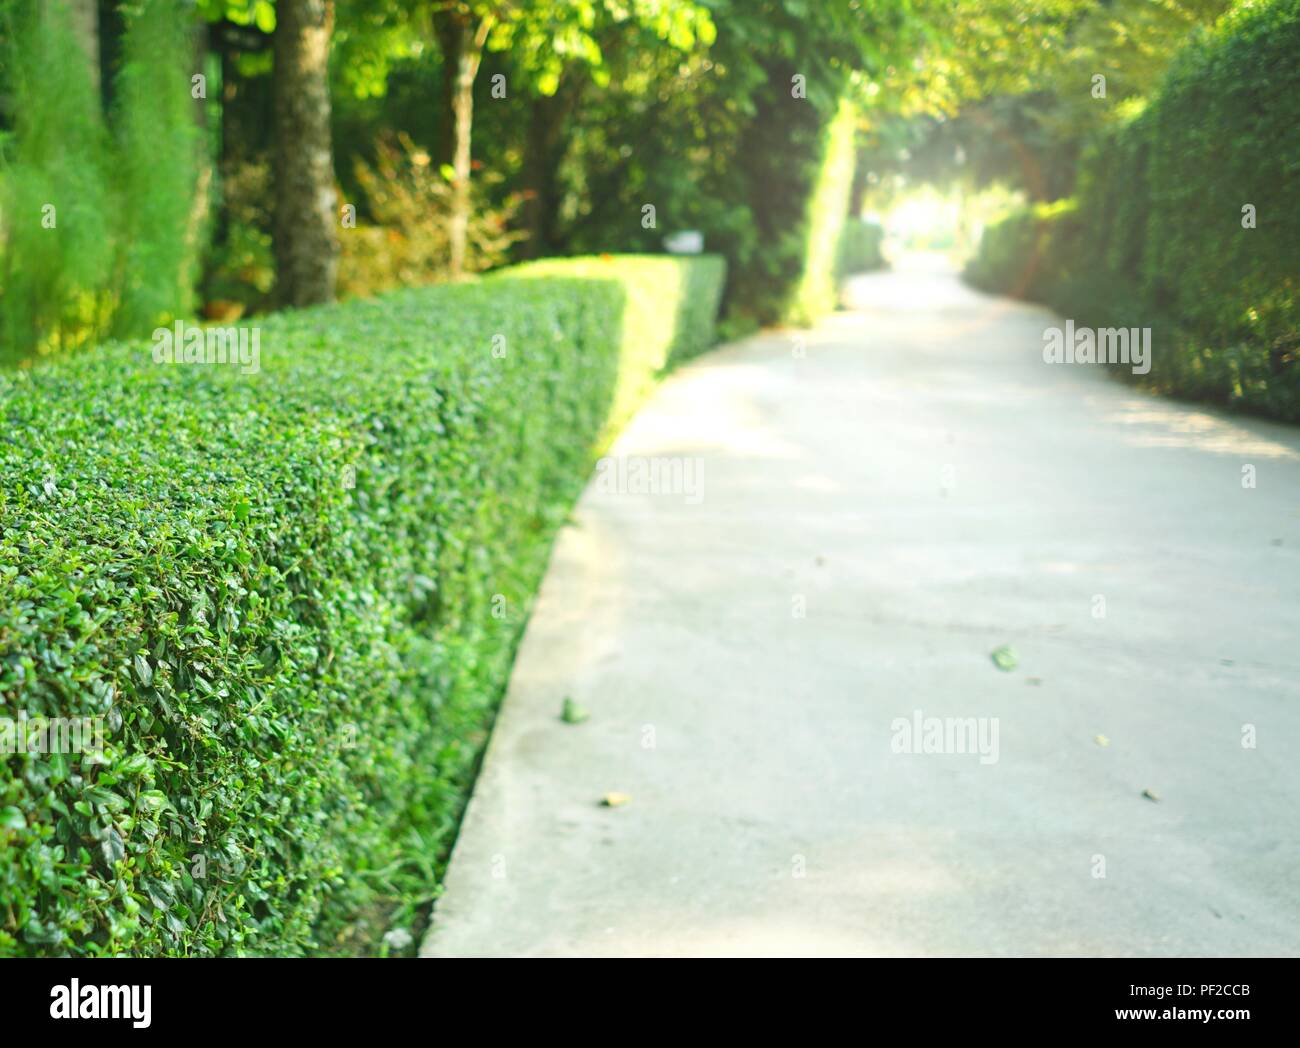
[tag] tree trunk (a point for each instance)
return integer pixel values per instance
(447, 28)
(304, 234)
(462, 51)
(544, 149)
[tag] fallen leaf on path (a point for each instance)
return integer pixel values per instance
(615, 799)
(572, 713)
(1004, 658)
(1101, 740)
(1151, 795)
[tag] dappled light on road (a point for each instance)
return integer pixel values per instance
(1160, 424)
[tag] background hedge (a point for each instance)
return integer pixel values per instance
(861, 248)
(1155, 238)
(127, 243)
(815, 295)
(298, 674)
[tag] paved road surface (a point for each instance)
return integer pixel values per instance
(924, 489)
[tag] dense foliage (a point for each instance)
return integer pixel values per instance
(100, 221)
(750, 142)
(825, 224)
(527, 129)
(861, 247)
(1160, 235)
(405, 242)
(293, 595)
(1017, 87)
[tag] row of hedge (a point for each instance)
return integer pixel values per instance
(293, 596)
(779, 215)
(827, 219)
(1157, 236)
(861, 249)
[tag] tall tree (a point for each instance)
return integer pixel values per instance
(462, 31)
(542, 36)
(544, 145)
(304, 231)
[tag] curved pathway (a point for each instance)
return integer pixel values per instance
(883, 502)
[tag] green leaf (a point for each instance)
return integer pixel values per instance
(112, 847)
(39, 934)
(1004, 658)
(12, 819)
(264, 16)
(109, 799)
(572, 713)
(143, 671)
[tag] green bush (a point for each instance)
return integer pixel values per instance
(409, 203)
(100, 230)
(1026, 254)
(861, 248)
(56, 225)
(828, 208)
(691, 293)
(1156, 239)
(159, 224)
(794, 173)
(293, 596)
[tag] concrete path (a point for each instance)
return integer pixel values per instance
(884, 503)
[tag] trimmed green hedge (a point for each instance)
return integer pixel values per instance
(1027, 253)
(1156, 237)
(861, 248)
(815, 295)
(294, 597)
(792, 176)
(666, 313)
